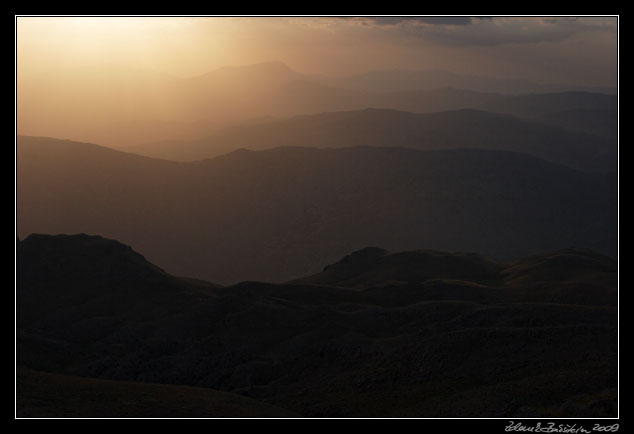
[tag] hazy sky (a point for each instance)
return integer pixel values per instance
(571, 50)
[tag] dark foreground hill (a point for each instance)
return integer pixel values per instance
(278, 214)
(421, 333)
(387, 128)
(72, 397)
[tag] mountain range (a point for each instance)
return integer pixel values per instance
(272, 215)
(259, 242)
(458, 129)
(395, 80)
(119, 107)
(101, 332)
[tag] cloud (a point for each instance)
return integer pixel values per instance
(445, 21)
(486, 31)
(502, 30)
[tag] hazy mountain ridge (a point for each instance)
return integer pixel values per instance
(104, 102)
(322, 350)
(599, 122)
(272, 215)
(465, 128)
(394, 80)
(534, 105)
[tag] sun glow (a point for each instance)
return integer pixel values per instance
(76, 74)
(73, 41)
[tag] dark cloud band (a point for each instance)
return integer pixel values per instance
(445, 21)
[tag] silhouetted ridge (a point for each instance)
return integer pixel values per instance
(366, 256)
(59, 271)
(92, 254)
(373, 265)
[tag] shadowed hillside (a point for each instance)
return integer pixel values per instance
(110, 267)
(275, 215)
(87, 397)
(421, 333)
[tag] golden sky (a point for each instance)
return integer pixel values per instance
(579, 50)
(117, 80)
